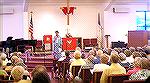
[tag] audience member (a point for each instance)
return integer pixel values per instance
(132, 49)
(123, 61)
(136, 54)
(103, 65)
(17, 73)
(4, 59)
(38, 68)
(128, 54)
(14, 60)
(96, 58)
(115, 68)
(78, 48)
(2, 72)
(89, 63)
(78, 60)
(144, 73)
(41, 77)
(67, 54)
(143, 54)
(137, 66)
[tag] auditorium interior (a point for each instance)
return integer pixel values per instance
(74, 41)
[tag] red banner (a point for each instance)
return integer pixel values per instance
(66, 11)
(47, 39)
(69, 43)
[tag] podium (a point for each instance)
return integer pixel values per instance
(69, 43)
(107, 36)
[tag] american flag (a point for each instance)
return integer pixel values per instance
(31, 29)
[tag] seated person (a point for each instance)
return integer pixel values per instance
(2, 72)
(78, 60)
(89, 63)
(78, 48)
(38, 68)
(128, 54)
(132, 49)
(14, 60)
(144, 73)
(67, 54)
(115, 68)
(123, 61)
(40, 75)
(17, 73)
(136, 54)
(103, 65)
(96, 59)
(136, 66)
(62, 56)
(4, 59)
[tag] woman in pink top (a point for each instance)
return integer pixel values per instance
(137, 66)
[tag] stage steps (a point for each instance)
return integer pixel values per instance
(45, 60)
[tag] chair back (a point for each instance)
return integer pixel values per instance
(39, 43)
(97, 76)
(7, 81)
(119, 78)
(65, 68)
(1, 77)
(59, 65)
(75, 70)
(86, 75)
(133, 81)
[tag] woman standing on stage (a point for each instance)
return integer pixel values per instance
(57, 45)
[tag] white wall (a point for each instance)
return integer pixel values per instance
(13, 23)
(1, 25)
(117, 25)
(48, 18)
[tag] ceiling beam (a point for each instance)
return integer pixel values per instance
(108, 5)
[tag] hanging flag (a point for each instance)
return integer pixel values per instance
(31, 28)
(66, 11)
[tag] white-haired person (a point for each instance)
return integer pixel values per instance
(144, 73)
(136, 66)
(115, 68)
(17, 73)
(2, 72)
(3, 58)
(103, 65)
(77, 60)
(78, 48)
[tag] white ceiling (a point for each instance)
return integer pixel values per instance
(16, 2)
(71, 1)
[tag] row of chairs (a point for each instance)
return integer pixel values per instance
(87, 77)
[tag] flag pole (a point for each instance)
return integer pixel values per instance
(68, 19)
(30, 30)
